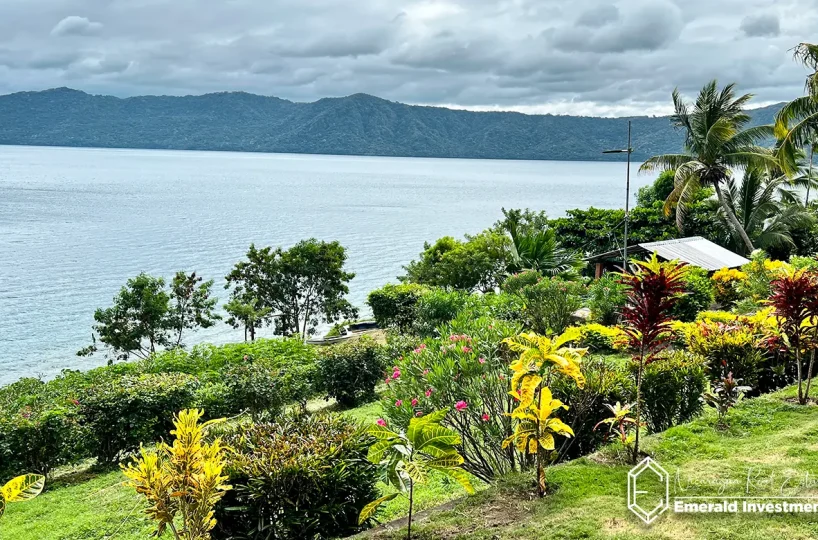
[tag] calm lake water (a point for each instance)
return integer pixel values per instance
(75, 224)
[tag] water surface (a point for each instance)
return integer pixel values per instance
(76, 223)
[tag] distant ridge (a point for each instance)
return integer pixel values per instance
(359, 124)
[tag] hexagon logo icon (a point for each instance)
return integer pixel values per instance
(648, 490)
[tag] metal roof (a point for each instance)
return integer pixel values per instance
(697, 251)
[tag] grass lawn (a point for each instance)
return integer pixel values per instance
(770, 439)
(81, 505)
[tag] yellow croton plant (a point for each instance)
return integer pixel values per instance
(22, 488)
(540, 357)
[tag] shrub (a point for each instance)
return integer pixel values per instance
(760, 272)
(348, 372)
(517, 282)
(304, 477)
(122, 414)
(394, 305)
(438, 307)
(734, 347)
(602, 339)
(672, 387)
(724, 317)
(40, 439)
(606, 298)
(255, 388)
(470, 365)
(606, 381)
(698, 295)
(725, 285)
(549, 303)
(804, 263)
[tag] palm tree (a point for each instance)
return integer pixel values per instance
(796, 125)
(534, 246)
(768, 208)
(716, 144)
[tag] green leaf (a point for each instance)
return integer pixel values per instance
(378, 450)
(2, 506)
(381, 433)
(452, 460)
(437, 435)
(23, 488)
(369, 510)
(417, 424)
(416, 471)
(461, 476)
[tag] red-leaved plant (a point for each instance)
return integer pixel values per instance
(652, 290)
(795, 300)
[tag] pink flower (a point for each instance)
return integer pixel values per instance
(466, 349)
(419, 413)
(428, 392)
(387, 380)
(414, 402)
(481, 360)
(485, 417)
(398, 403)
(396, 374)
(461, 405)
(425, 372)
(381, 422)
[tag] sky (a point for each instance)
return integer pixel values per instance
(582, 57)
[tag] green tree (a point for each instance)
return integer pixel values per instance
(534, 245)
(796, 125)
(137, 323)
(298, 288)
(145, 316)
(191, 305)
(478, 263)
(716, 143)
(244, 311)
(768, 209)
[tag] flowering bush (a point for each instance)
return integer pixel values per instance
(725, 285)
(465, 370)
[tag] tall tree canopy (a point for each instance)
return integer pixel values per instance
(716, 144)
(298, 288)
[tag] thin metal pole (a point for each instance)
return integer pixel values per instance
(627, 201)
(809, 174)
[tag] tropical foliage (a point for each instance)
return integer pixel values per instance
(540, 359)
(407, 459)
(716, 142)
(19, 489)
(184, 479)
(653, 290)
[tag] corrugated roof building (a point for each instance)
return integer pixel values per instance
(694, 250)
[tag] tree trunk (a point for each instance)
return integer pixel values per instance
(809, 374)
(638, 403)
(540, 468)
(800, 374)
(731, 216)
(411, 501)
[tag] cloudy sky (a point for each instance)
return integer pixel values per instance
(559, 56)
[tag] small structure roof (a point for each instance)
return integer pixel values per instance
(693, 250)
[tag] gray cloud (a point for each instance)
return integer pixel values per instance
(764, 25)
(583, 57)
(74, 25)
(599, 16)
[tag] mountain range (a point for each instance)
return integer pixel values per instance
(359, 124)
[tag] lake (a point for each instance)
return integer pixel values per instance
(76, 223)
